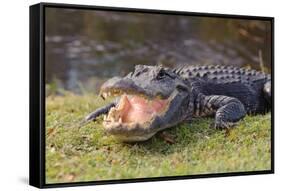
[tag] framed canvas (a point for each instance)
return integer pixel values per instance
(127, 95)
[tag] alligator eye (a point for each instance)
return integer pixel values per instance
(161, 75)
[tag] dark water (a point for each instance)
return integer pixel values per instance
(83, 48)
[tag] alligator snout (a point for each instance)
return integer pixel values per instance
(117, 86)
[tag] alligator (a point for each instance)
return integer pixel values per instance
(153, 98)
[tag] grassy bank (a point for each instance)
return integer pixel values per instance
(87, 153)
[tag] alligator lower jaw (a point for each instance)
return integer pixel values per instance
(131, 119)
(134, 138)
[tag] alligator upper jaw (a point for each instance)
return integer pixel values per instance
(132, 118)
(117, 86)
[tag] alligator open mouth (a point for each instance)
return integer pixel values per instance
(130, 119)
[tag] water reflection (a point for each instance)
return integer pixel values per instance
(86, 47)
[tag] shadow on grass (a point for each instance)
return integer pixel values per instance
(183, 136)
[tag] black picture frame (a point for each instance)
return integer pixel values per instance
(37, 95)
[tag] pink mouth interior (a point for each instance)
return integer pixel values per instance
(139, 109)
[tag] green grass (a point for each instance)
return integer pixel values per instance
(88, 153)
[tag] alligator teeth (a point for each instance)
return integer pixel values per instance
(104, 95)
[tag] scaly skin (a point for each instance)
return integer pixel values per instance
(248, 86)
(225, 92)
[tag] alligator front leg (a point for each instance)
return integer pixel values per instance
(103, 110)
(227, 110)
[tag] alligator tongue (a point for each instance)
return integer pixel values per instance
(138, 109)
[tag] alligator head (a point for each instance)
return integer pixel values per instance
(152, 98)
